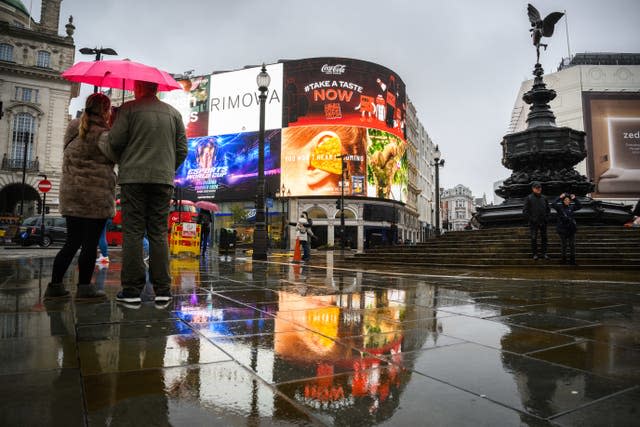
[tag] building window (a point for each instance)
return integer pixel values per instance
(23, 135)
(6, 52)
(26, 94)
(44, 59)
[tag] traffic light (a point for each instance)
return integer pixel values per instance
(338, 205)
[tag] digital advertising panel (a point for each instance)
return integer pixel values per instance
(235, 105)
(319, 111)
(343, 91)
(387, 166)
(193, 104)
(225, 167)
(612, 123)
(311, 165)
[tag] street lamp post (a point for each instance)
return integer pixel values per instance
(438, 162)
(44, 207)
(97, 52)
(283, 194)
(260, 233)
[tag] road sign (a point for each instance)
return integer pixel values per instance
(44, 185)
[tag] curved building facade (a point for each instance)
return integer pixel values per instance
(326, 118)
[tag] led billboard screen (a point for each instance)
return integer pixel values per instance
(234, 102)
(342, 91)
(317, 110)
(193, 104)
(311, 164)
(225, 167)
(612, 123)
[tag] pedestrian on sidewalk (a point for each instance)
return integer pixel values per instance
(566, 205)
(536, 210)
(204, 219)
(87, 197)
(103, 245)
(148, 142)
(303, 234)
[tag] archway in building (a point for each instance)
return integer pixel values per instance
(316, 212)
(320, 231)
(348, 214)
(10, 197)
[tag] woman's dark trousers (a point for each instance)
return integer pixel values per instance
(568, 241)
(83, 234)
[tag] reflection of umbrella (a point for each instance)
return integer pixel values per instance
(120, 74)
(203, 204)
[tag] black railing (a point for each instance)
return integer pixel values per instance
(16, 164)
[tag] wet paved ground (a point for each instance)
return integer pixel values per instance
(283, 344)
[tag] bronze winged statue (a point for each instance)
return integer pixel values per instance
(541, 27)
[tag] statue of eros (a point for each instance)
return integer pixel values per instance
(541, 27)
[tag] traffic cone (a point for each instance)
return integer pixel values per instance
(296, 252)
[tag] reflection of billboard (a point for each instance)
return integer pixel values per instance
(311, 163)
(225, 167)
(342, 91)
(193, 104)
(235, 104)
(612, 122)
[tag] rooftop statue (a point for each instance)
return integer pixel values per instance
(541, 27)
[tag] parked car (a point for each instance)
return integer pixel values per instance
(55, 230)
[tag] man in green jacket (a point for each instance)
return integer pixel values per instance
(149, 143)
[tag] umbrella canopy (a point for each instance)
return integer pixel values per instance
(203, 204)
(120, 74)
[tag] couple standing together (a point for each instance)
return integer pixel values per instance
(536, 210)
(148, 143)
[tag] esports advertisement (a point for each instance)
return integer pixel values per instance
(343, 91)
(225, 167)
(612, 124)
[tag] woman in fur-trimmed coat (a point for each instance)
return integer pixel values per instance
(87, 197)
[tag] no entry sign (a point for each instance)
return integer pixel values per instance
(44, 185)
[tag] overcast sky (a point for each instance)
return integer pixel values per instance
(462, 61)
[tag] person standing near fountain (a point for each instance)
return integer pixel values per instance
(566, 205)
(536, 210)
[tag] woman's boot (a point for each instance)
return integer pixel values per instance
(89, 293)
(56, 291)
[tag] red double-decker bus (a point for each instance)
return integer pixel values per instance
(180, 211)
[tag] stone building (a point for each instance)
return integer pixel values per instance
(34, 103)
(421, 175)
(457, 207)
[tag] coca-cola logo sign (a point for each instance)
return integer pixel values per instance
(333, 69)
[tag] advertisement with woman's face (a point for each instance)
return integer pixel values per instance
(311, 162)
(225, 167)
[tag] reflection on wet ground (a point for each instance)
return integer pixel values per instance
(284, 344)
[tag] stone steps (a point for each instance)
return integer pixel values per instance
(598, 247)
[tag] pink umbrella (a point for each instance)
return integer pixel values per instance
(120, 74)
(203, 204)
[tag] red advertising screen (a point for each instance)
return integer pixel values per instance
(193, 104)
(343, 91)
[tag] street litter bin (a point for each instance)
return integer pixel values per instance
(227, 240)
